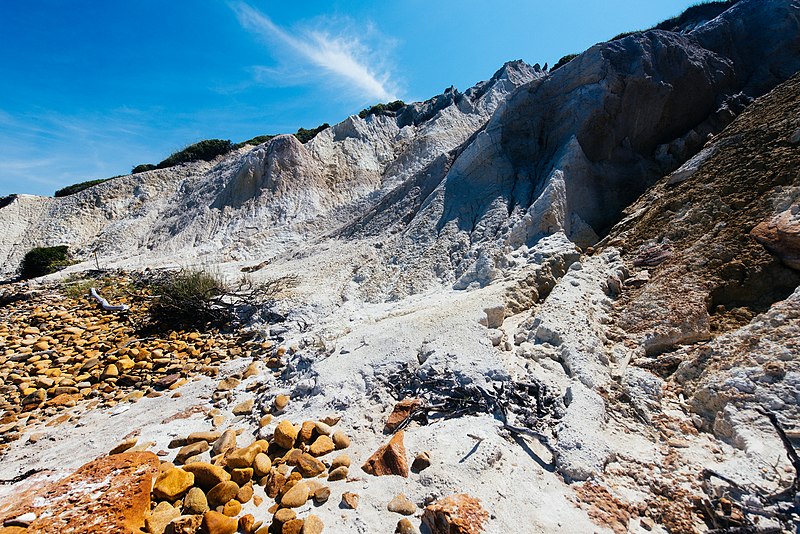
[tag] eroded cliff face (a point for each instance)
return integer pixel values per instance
(253, 202)
(712, 246)
(568, 152)
(604, 256)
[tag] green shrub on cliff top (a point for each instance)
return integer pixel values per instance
(204, 150)
(75, 188)
(40, 261)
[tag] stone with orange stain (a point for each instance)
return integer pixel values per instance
(456, 514)
(402, 410)
(109, 494)
(390, 459)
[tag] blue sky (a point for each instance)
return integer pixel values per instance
(89, 89)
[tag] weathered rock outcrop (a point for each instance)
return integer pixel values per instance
(111, 494)
(781, 235)
(728, 221)
(257, 199)
(717, 276)
(570, 151)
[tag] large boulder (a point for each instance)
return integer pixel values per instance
(110, 494)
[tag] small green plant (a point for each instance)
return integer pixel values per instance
(624, 35)
(701, 10)
(204, 150)
(255, 141)
(40, 261)
(144, 167)
(77, 288)
(190, 298)
(563, 61)
(75, 188)
(390, 108)
(304, 136)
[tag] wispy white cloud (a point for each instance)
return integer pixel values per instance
(343, 57)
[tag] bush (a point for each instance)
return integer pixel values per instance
(190, 299)
(6, 200)
(701, 11)
(258, 140)
(390, 108)
(40, 261)
(563, 61)
(75, 188)
(144, 167)
(304, 136)
(204, 150)
(624, 35)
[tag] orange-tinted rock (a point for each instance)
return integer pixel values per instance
(185, 524)
(313, 525)
(296, 496)
(245, 493)
(275, 483)
(781, 236)
(456, 514)
(322, 446)
(222, 493)
(172, 484)
(232, 508)
(243, 457)
(306, 431)
(309, 466)
(285, 434)
(246, 523)
(350, 499)
(390, 459)
(110, 494)
(295, 526)
(217, 523)
(402, 410)
(206, 475)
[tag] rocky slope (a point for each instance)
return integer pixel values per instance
(717, 306)
(254, 201)
(584, 282)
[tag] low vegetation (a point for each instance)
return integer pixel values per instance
(6, 200)
(304, 136)
(697, 12)
(144, 167)
(75, 188)
(701, 11)
(255, 141)
(209, 149)
(563, 61)
(40, 261)
(390, 108)
(205, 150)
(189, 298)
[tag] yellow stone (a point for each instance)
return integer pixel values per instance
(296, 496)
(322, 446)
(285, 434)
(172, 484)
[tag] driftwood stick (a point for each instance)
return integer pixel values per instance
(787, 444)
(21, 477)
(708, 473)
(104, 303)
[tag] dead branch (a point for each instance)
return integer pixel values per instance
(105, 304)
(444, 395)
(791, 492)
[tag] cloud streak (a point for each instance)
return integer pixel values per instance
(343, 57)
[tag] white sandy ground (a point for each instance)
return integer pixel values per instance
(352, 346)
